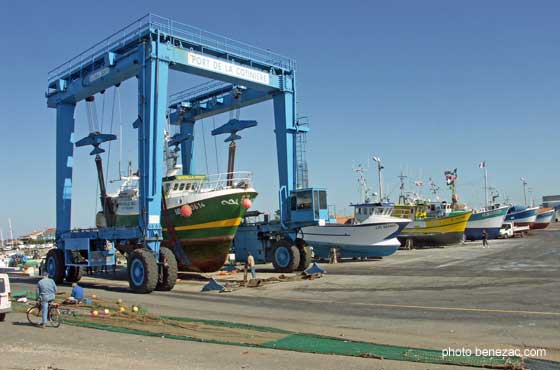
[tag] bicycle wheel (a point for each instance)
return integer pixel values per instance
(34, 315)
(55, 319)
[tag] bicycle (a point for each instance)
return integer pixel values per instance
(35, 317)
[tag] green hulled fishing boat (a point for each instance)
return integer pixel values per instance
(201, 212)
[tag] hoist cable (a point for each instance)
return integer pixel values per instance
(216, 146)
(204, 144)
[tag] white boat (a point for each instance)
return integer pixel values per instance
(367, 237)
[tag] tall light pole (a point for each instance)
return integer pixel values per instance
(379, 168)
(524, 189)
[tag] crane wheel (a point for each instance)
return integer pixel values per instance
(285, 256)
(74, 274)
(305, 255)
(167, 276)
(142, 271)
(55, 265)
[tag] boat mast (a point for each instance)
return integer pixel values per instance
(1, 238)
(363, 182)
(483, 165)
(379, 168)
(402, 198)
(11, 232)
(524, 189)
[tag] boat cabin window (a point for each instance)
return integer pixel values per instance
(188, 187)
(175, 186)
(195, 187)
(182, 186)
(167, 187)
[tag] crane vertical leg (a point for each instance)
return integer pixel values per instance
(152, 107)
(284, 121)
(64, 163)
(187, 148)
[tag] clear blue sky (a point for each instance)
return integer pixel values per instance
(426, 85)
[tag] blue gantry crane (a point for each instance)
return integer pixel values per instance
(148, 49)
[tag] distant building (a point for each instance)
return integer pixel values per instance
(39, 236)
(49, 234)
(552, 201)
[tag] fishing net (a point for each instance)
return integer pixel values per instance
(120, 318)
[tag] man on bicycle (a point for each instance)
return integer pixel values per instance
(46, 290)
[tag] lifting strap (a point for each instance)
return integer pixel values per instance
(172, 234)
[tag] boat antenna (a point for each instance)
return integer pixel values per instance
(530, 191)
(11, 232)
(434, 188)
(483, 166)
(402, 177)
(494, 194)
(360, 171)
(524, 189)
(450, 179)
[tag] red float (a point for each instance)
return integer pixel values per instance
(246, 203)
(186, 210)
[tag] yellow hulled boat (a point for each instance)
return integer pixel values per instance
(433, 224)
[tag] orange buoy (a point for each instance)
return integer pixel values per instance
(246, 203)
(186, 210)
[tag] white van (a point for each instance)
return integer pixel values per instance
(5, 296)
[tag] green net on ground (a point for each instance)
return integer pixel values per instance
(228, 333)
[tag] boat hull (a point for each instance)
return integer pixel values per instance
(543, 219)
(206, 236)
(382, 249)
(358, 240)
(490, 220)
(436, 231)
(525, 217)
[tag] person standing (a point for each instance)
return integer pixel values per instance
(46, 290)
(484, 238)
(333, 257)
(251, 264)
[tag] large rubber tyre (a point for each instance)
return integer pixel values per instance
(285, 256)
(305, 255)
(2, 317)
(167, 276)
(142, 271)
(74, 274)
(55, 265)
